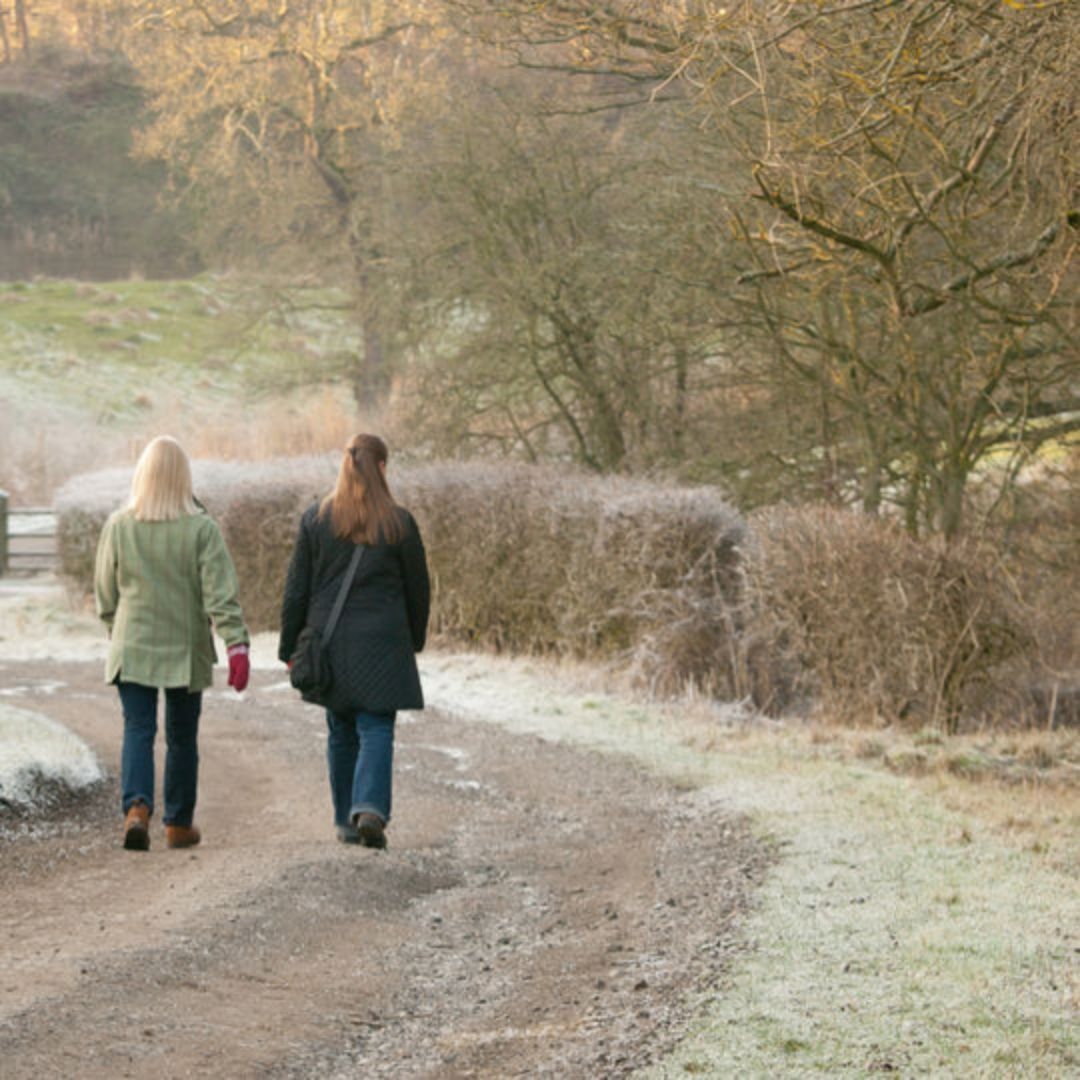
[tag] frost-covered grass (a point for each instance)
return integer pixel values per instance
(924, 925)
(38, 622)
(114, 347)
(896, 932)
(894, 935)
(39, 756)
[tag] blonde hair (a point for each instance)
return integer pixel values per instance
(161, 488)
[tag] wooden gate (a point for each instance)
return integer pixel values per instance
(27, 538)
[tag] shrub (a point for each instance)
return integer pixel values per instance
(543, 560)
(850, 612)
(525, 559)
(814, 607)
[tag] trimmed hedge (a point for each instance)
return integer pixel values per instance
(523, 558)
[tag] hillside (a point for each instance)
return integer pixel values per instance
(231, 367)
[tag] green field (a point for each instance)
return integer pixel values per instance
(109, 348)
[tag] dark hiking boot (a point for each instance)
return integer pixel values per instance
(137, 827)
(370, 828)
(181, 836)
(347, 834)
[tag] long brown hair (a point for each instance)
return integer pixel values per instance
(361, 507)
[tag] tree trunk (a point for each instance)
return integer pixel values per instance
(371, 378)
(828, 450)
(21, 26)
(577, 348)
(870, 490)
(913, 499)
(4, 39)
(951, 511)
(678, 425)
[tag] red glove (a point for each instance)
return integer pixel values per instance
(239, 667)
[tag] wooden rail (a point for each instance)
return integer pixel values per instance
(27, 537)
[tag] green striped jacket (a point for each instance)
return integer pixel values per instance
(158, 585)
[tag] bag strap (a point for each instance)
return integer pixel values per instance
(339, 602)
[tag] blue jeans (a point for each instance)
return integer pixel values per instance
(360, 754)
(182, 709)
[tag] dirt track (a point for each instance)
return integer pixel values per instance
(541, 910)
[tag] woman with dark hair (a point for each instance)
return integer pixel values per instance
(381, 627)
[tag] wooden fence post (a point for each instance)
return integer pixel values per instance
(3, 532)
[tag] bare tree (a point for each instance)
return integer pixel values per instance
(275, 115)
(912, 246)
(551, 286)
(899, 178)
(5, 39)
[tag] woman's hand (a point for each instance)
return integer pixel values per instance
(239, 667)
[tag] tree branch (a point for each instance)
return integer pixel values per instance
(931, 301)
(820, 228)
(964, 174)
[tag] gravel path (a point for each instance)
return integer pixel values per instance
(542, 909)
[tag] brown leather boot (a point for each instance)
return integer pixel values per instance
(137, 827)
(181, 836)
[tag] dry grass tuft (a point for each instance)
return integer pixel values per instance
(853, 615)
(314, 421)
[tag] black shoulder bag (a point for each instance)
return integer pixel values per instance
(309, 665)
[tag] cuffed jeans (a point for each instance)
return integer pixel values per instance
(182, 709)
(360, 754)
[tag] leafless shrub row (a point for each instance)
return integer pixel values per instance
(808, 608)
(542, 559)
(523, 559)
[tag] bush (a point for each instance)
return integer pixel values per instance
(525, 559)
(853, 614)
(543, 560)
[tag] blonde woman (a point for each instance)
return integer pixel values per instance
(162, 575)
(382, 626)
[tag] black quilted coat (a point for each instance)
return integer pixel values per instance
(383, 623)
